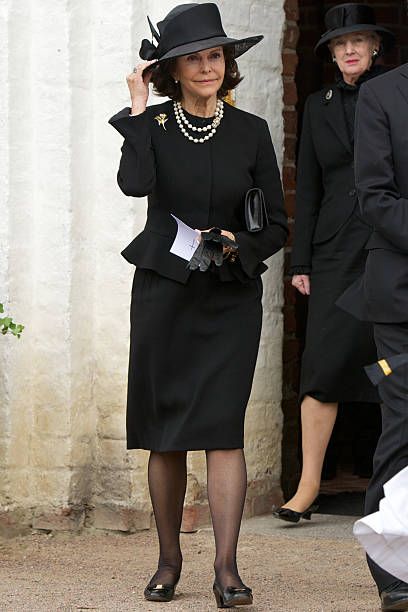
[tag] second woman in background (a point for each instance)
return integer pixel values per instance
(329, 243)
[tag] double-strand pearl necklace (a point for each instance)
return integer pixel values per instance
(182, 121)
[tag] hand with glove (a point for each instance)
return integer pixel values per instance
(214, 243)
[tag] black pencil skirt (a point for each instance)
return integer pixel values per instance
(338, 346)
(193, 351)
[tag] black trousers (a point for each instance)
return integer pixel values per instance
(391, 454)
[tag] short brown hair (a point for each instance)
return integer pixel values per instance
(164, 84)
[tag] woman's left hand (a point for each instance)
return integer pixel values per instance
(226, 233)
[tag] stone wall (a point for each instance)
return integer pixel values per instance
(63, 463)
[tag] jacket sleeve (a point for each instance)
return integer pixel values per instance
(380, 201)
(137, 169)
(254, 248)
(309, 193)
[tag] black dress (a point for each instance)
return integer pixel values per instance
(329, 244)
(195, 336)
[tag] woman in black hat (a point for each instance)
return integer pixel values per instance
(328, 251)
(195, 334)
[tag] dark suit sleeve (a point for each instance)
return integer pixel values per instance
(309, 194)
(254, 248)
(380, 201)
(137, 169)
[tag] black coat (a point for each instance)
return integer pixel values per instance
(325, 191)
(382, 181)
(202, 184)
(329, 244)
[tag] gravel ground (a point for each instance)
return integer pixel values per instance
(290, 570)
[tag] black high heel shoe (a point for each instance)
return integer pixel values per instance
(286, 514)
(160, 592)
(232, 596)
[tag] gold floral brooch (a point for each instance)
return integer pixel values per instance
(161, 120)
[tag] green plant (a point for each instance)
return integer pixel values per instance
(7, 325)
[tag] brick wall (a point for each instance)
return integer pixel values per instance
(291, 345)
(305, 23)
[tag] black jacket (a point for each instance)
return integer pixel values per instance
(202, 184)
(325, 191)
(382, 183)
(381, 153)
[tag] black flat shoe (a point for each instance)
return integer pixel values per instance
(160, 592)
(232, 596)
(395, 600)
(286, 514)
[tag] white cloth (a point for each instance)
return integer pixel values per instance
(384, 534)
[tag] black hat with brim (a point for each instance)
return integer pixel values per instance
(190, 28)
(240, 46)
(349, 18)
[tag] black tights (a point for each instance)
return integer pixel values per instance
(226, 481)
(167, 485)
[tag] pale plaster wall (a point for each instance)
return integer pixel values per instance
(63, 224)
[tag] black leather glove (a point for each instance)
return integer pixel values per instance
(201, 258)
(210, 249)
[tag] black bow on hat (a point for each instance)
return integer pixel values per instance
(189, 28)
(348, 18)
(148, 49)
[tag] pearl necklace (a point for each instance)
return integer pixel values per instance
(181, 119)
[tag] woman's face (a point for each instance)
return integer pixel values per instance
(353, 53)
(201, 74)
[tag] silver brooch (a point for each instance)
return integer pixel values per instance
(329, 95)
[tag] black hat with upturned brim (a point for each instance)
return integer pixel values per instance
(190, 28)
(349, 18)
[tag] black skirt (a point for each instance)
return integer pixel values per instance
(338, 346)
(193, 351)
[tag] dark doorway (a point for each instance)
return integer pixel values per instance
(350, 452)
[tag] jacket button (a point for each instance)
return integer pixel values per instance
(352, 192)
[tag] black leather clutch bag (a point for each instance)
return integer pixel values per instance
(256, 213)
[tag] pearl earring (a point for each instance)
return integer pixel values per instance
(375, 53)
(176, 81)
(334, 60)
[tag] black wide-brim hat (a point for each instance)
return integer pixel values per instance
(189, 28)
(348, 18)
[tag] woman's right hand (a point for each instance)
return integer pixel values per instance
(139, 86)
(302, 283)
